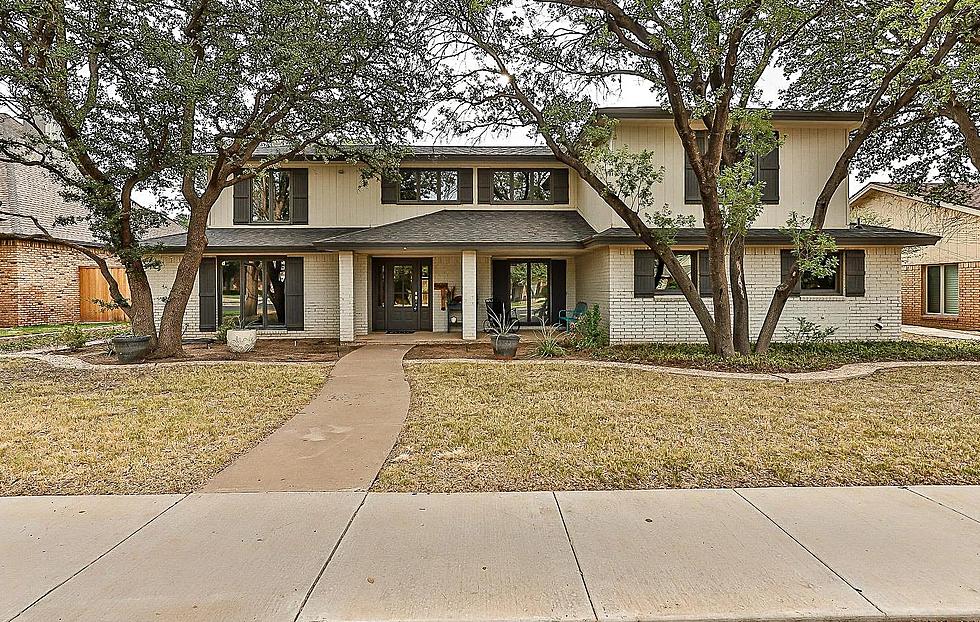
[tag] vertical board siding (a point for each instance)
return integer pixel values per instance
(92, 286)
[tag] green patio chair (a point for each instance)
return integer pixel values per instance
(568, 318)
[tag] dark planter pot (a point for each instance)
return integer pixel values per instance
(129, 348)
(505, 346)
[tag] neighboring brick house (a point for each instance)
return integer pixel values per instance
(941, 283)
(39, 280)
(308, 251)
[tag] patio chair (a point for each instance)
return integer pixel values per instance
(568, 318)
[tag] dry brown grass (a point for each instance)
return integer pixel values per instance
(149, 431)
(476, 427)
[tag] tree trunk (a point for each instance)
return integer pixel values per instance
(172, 321)
(141, 303)
(722, 344)
(740, 295)
(968, 127)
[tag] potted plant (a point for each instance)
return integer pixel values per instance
(503, 335)
(128, 346)
(239, 336)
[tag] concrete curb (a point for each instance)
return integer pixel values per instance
(846, 372)
(70, 362)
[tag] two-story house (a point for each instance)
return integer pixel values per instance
(309, 251)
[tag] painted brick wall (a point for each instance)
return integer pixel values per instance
(592, 279)
(362, 301)
(321, 317)
(913, 294)
(669, 318)
(38, 283)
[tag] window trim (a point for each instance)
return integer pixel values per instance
(666, 292)
(439, 171)
(838, 282)
(942, 290)
(529, 171)
(242, 260)
(265, 180)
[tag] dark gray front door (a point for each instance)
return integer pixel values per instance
(402, 294)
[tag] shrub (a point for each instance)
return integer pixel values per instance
(549, 343)
(229, 323)
(809, 332)
(590, 330)
(74, 337)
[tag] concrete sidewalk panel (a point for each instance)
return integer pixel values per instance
(45, 540)
(494, 556)
(210, 558)
(340, 440)
(696, 555)
(965, 499)
(908, 555)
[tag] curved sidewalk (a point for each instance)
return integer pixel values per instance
(340, 440)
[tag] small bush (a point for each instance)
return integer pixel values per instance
(550, 342)
(590, 330)
(74, 337)
(809, 332)
(229, 323)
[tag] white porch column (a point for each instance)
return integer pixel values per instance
(469, 295)
(346, 283)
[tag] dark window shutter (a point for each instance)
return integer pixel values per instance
(294, 293)
(692, 193)
(854, 273)
(243, 202)
(645, 264)
(484, 183)
(208, 294)
(299, 187)
(786, 260)
(557, 286)
(559, 186)
(389, 190)
(704, 275)
(500, 285)
(768, 171)
(466, 186)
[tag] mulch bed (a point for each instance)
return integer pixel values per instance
(266, 351)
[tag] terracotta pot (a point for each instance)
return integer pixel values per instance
(242, 340)
(130, 348)
(505, 346)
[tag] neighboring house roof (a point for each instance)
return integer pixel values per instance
(250, 238)
(471, 228)
(778, 114)
(425, 153)
(30, 191)
(864, 235)
(969, 195)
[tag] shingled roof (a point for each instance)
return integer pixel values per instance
(263, 239)
(863, 235)
(472, 228)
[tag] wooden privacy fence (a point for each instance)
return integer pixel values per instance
(91, 286)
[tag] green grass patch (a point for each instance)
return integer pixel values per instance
(785, 357)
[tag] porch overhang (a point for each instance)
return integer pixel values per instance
(860, 236)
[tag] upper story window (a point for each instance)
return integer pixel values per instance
(766, 170)
(279, 196)
(271, 198)
(522, 186)
(424, 185)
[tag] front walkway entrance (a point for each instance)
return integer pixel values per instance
(402, 294)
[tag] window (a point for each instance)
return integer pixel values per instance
(811, 285)
(766, 169)
(943, 289)
(271, 198)
(423, 185)
(254, 290)
(650, 275)
(530, 291)
(522, 186)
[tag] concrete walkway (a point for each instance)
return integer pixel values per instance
(773, 554)
(340, 440)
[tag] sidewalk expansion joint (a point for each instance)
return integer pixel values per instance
(939, 503)
(333, 552)
(109, 550)
(578, 565)
(812, 554)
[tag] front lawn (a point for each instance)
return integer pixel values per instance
(782, 357)
(161, 430)
(56, 336)
(478, 427)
